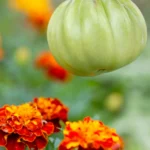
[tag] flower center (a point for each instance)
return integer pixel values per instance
(25, 112)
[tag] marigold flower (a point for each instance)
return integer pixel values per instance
(52, 69)
(22, 126)
(90, 135)
(52, 110)
(1, 50)
(37, 11)
(58, 74)
(46, 60)
(1, 54)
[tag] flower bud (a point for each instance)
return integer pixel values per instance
(114, 102)
(22, 55)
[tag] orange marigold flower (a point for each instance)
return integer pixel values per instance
(1, 50)
(46, 60)
(22, 126)
(58, 74)
(53, 70)
(52, 110)
(37, 11)
(1, 54)
(90, 135)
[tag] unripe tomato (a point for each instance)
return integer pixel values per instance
(89, 37)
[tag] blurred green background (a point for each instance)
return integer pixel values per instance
(120, 99)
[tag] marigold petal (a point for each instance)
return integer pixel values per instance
(29, 138)
(3, 120)
(109, 142)
(31, 145)
(12, 142)
(34, 124)
(48, 128)
(2, 111)
(62, 147)
(38, 132)
(72, 135)
(3, 138)
(9, 110)
(7, 128)
(71, 145)
(87, 119)
(3, 117)
(14, 122)
(116, 147)
(41, 142)
(63, 114)
(56, 102)
(24, 131)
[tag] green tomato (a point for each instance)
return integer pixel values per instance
(89, 37)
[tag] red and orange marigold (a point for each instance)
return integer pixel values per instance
(90, 135)
(38, 12)
(52, 110)
(1, 50)
(53, 70)
(23, 126)
(1, 54)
